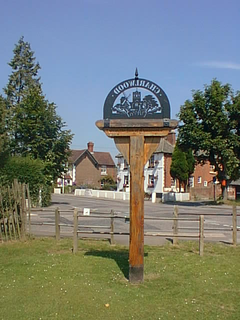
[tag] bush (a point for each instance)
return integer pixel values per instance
(29, 171)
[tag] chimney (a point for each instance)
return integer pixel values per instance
(90, 146)
(171, 138)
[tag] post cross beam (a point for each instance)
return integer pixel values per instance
(136, 139)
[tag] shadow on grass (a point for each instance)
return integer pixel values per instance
(121, 258)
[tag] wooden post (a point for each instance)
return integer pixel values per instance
(175, 225)
(136, 246)
(3, 217)
(136, 139)
(57, 224)
(201, 235)
(234, 223)
(23, 210)
(75, 231)
(29, 209)
(16, 214)
(12, 212)
(112, 228)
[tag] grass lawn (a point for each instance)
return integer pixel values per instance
(42, 279)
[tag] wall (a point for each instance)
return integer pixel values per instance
(87, 173)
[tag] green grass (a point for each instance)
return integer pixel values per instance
(42, 279)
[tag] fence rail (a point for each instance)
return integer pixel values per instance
(8, 227)
(15, 204)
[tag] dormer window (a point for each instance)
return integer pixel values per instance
(125, 165)
(103, 170)
(151, 162)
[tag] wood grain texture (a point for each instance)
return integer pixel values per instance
(136, 245)
(122, 143)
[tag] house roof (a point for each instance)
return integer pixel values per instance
(102, 158)
(164, 147)
(235, 183)
(75, 154)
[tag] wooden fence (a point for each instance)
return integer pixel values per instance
(13, 210)
(175, 234)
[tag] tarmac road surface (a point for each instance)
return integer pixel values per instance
(217, 219)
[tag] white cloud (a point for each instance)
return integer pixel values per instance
(219, 65)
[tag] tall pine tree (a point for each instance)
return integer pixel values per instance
(24, 74)
(3, 132)
(34, 127)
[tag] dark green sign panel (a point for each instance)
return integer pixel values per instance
(136, 99)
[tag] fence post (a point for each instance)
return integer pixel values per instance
(112, 227)
(234, 223)
(175, 225)
(29, 209)
(75, 231)
(57, 226)
(201, 235)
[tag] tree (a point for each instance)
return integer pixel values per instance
(41, 133)
(3, 132)
(34, 127)
(210, 126)
(24, 77)
(179, 167)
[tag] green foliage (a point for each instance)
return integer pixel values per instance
(107, 179)
(40, 133)
(108, 183)
(3, 132)
(179, 166)
(27, 170)
(210, 126)
(24, 75)
(34, 127)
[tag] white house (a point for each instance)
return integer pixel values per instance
(157, 177)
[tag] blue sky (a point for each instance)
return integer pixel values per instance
(86, 47)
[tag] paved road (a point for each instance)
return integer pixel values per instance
(215, 218)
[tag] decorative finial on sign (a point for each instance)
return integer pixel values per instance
(136, 74)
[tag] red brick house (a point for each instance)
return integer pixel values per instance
(86, 167)
(157, 176)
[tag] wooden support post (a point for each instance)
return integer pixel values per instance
(112, 228)
(57, 224)
(201, 235)
(136, 139)
(75, 231)
(175, 226)
(234, 223)
(136, 246)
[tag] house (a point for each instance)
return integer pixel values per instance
(86, 167)
(234, 190)
(157, 178)
(156, 171)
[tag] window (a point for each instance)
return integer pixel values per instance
(151, 181)
(173, 182)
(151, 162)
(191, 182)
(125, 165)
(103, 170)
(199, 180)
(126, 181)
(205, 183)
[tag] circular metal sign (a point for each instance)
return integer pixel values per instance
(136, 99)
